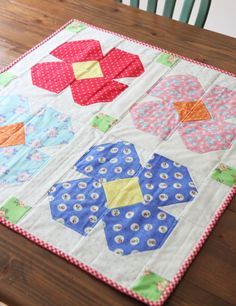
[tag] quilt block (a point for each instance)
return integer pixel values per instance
(113, 151)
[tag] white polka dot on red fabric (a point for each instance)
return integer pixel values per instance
(96, 90)
(120, 64)
(56, 76)
(52, 76)
(78, 51)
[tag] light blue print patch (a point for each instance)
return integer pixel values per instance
(20, 164)
(13, 109)
(125, 195)
(48, 127)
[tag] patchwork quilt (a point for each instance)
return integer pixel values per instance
(116, 155)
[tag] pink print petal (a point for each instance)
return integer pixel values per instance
(157, 118)
(120, 64)
(208, 136)
(221, 102)
(178, 88)
(95, 90)
(52, 76)
(78, 51)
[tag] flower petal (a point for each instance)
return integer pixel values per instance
(178, 88)
(221, 102)
(110, 161)
(144, 226)
(137, 228)
(95, 90)
(48, 127)
(78, 51)
(157, 118)
(120, 64)
(52, 76)
(20, 164)
(207, 136)
(78, 204)
(13, 109)
(165, 182)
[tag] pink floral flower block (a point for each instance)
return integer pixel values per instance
(200, 133)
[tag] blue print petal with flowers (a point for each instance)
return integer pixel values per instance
(13, 109)
(110, 161)
(78, 204)
(125, 195)
(47, 127)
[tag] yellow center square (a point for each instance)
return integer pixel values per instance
(123, 192)
(87, 70)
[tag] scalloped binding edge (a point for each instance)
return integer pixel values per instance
(176, 279)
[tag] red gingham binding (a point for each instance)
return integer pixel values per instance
(117, 34)
(115, 285)
(176, 279)
(35, 47)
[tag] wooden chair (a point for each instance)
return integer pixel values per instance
(185, 12)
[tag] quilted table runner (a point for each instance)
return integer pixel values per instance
(116, 155)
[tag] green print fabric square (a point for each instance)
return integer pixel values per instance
(150, 286)
(103, 122)
(13, 210)
(167, 59)
(75, 27)
(225, 175)
(6, 77)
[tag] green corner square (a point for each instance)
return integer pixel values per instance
(150, 286)
(225, 175)
(103, 122)
(75, 27)
(13, 210)
(6, 77)
(167, 59)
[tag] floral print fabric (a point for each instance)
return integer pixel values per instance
(134, 222)
(200, 134)
(48, 127)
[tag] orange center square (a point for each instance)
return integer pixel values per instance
(192, 111)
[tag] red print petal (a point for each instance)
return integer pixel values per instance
(52, 76)
(120, 64)
(90, 91)
(77, 51)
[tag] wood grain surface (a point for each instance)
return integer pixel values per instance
(32, 276)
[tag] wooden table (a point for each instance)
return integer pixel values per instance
(30, 275)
